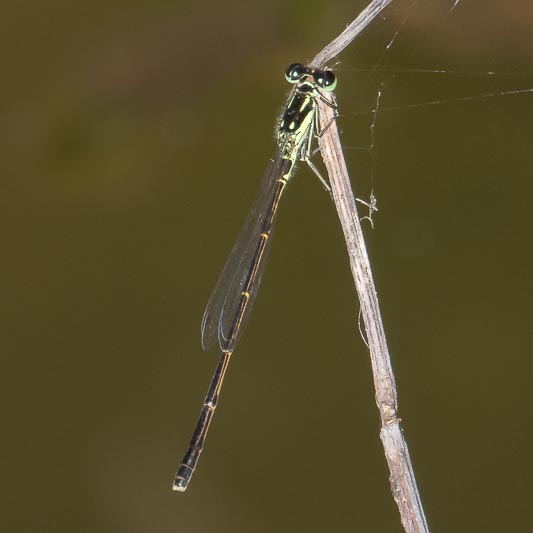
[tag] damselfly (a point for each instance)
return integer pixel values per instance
(232, 298)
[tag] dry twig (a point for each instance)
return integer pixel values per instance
(403, 482)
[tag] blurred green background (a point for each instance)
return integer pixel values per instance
(132, 137)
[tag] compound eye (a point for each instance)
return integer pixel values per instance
(295, 72)
(326, 79)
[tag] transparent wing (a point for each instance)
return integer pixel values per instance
(224, 304)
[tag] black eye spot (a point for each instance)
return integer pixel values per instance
(294, 73)
(327, 80)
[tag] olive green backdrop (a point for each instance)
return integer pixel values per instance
(133, 137)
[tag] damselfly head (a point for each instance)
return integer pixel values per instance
(298, 73)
